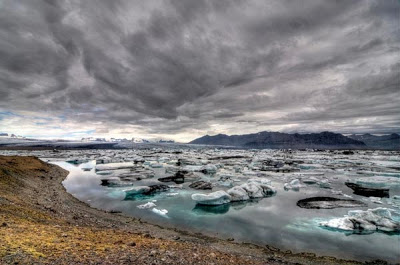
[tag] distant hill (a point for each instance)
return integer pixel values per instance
(276, 140)
(389, 141)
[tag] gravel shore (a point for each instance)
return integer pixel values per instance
(40, 223)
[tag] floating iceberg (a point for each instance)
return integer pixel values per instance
(250, 190)
(254, 190)
(161, 212)
(238, 194)
(138, 159)
(209, 169)
(264, 181)
(201, 185)
(114, 166)
(378, 182)
(137, 190)
(292, 185)
(378, 219)
(311, 180)
(325, 184)
(77, 161)
(378, 186)
(115, 182)
(147, 205)
(143, 191)
(213, 198)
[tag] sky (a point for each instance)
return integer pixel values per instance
(180, 69)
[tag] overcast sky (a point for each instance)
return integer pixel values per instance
(180, 69)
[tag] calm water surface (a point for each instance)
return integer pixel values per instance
(276, 220)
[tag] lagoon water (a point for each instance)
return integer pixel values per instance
(275, 220)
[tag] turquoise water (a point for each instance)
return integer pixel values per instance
(275, 220)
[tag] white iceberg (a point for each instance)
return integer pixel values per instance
(250, 190)
(147, 205)
(209, 169)
(156, 165)
(213, 198)
(369, 220)
(114, 166)
(254, 190)
(311, 180)
(376, 200)
(378, 182)
(325, 184)
(292, 185)
(137, 190)
(162, 212)
(238, 194)
(264, 181)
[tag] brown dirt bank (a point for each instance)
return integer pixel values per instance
(40, 223)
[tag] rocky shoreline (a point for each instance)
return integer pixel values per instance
(40, 223)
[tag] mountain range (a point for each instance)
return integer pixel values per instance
(323, 140)
(388, 141)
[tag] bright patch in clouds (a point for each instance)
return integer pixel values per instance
(181, 69)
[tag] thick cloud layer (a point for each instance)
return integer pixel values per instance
(182, 68)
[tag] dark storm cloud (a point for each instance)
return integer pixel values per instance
(171, 66)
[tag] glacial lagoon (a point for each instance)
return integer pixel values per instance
(105, 179)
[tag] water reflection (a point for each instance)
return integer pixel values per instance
(266, 221)
(211, 209)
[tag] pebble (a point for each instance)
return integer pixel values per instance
(132, 244)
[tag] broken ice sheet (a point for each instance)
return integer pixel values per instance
(359, 221)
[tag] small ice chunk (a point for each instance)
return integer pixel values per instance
(114, 166)
(337, 192)
(311, 180)
(264, 181)
(137, 190)
(325, 184)
(162, 212)
(292, 185)
(179, 186)
(376, 200)
(147, 205)
(138, 159)
(209, 169)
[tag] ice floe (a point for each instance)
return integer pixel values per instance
(147, 205)
(292, 185)
(213, 198)
(162, 212)
(378, 219)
